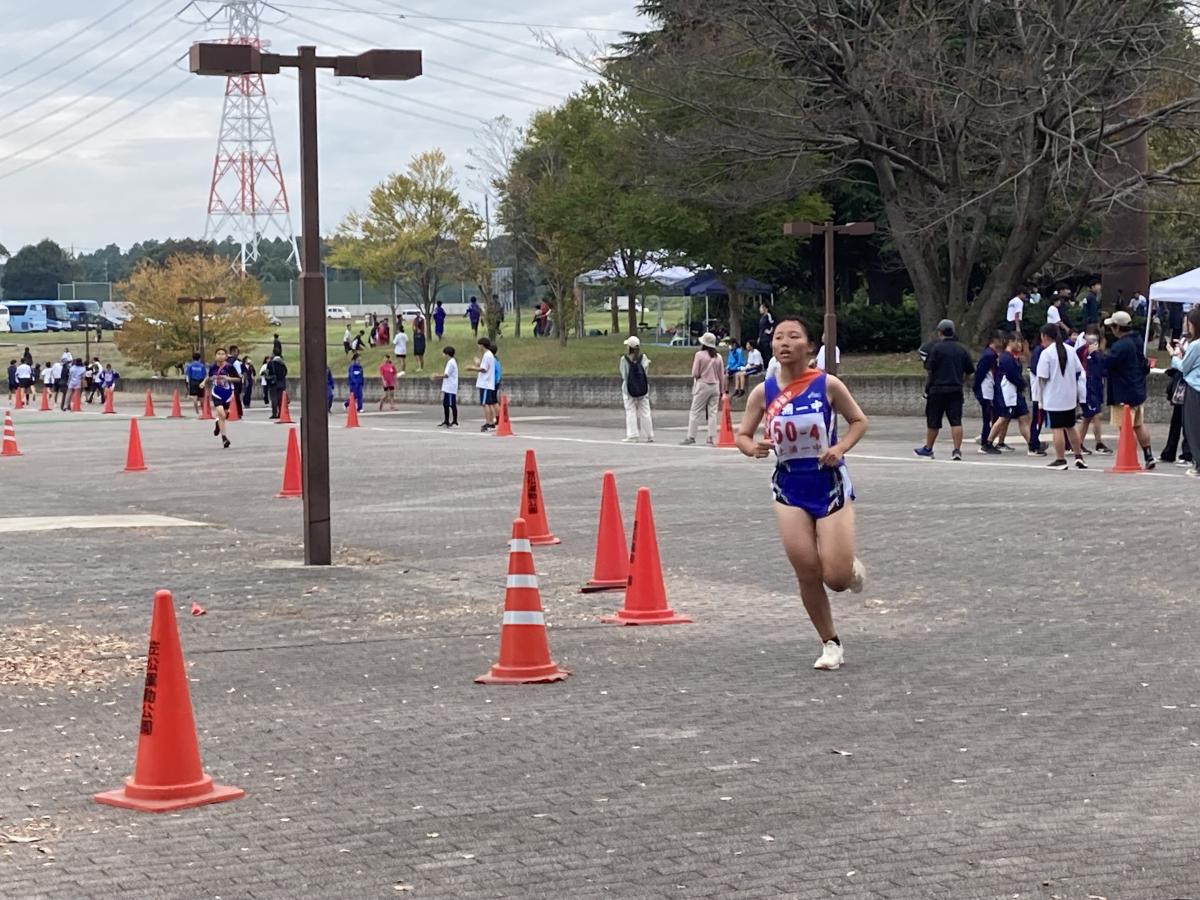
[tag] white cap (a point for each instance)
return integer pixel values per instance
(633, 341)
(708, 339)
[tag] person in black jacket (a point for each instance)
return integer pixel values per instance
(277, 383)
(948, 364)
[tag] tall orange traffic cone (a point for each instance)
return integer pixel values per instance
(133, 456)
(176, 409)
(108, 403)
(45, 407)
(20, 404)
(503, 425)
(645, 594)
(206, 413)
(524, 650)
(725, 434)
(611, 570)
(233, 411)
(352, 413)
(293, 481)
(1127, 447)
(285, 416)
(167, 774)
(149, 413)
(77, 400)
(533, 511)
(9, 447)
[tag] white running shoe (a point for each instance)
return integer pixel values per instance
(629, 440)
(832, 657)
(859, 577)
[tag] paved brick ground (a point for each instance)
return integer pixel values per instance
(1020, 703)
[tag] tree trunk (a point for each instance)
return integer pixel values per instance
(616, 311)
(633, 313)
(736, 304)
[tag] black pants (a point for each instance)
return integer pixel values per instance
(1191, 423)
(450, 408)
(276, 399)
(1173, 435)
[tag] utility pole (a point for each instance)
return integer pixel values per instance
(808, 229)
(200, 301)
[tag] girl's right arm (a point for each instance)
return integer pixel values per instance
(745, 440)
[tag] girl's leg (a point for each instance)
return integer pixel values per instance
(799, 536)
(835, 544)
(1060, 443)
(220, 414)
(1023, 424)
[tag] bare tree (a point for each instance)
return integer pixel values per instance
(996, 130)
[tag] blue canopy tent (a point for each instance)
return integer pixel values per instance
(706, 284)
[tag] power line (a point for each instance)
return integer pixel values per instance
(354, 37)
(456, 20)
(63, 43)
(352, 95)
(99, 131)
(139, 64)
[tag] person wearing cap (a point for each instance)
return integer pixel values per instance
(948, 364)
(635, 392)
(1126, 367)
(707, 381)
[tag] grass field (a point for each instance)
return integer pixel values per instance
(526, 355)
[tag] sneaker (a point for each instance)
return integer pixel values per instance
(483, 428)
(1193, 472)
(1149, 464)
(629, 440)
(1086, 451)
(225, 442)
(1057, 464)
(1080, 464)
(443, 424)
(859, 577)
(1103, 448)
(832, 657)
(687, 441)
(989, 449)
(1039, 452)
(216, 428)
(708, 441)
(649, 440)
(1005, 448)
(1184, 462)
(956, 454)
(924, 452)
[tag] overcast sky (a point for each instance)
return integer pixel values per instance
(71, 88)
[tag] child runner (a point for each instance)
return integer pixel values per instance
(221, 376)
(812, 489)
(485, 383)
(355, 378)
(387, 374)
(984, 387)
(1011, 389)
(48, 380)
(1094, 399)
(449, 379)
(419, 341)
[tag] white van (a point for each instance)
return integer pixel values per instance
(337, 312)
(4, 323)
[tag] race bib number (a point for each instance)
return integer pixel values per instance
(800, 436)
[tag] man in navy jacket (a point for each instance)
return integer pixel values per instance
(1126, 367)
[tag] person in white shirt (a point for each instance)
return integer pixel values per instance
(25, 380)
(1035, 297)
(485, 383)
(59, 371)
(1057, 379)
(637, 404)
(1053, 314)
(837, 355)
(401, 346)
(1016, 309)
(49, 379)
(449, 380)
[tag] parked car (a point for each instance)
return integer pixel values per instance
(273, 320)
(109, 324)
(337, 312)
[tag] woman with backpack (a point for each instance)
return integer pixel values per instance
(635, 392)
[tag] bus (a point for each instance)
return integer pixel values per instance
(38, 315)
(84, 314)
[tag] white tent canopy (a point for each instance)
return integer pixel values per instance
(647, 271)
(1183, 288)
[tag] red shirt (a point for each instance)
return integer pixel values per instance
(388, 373)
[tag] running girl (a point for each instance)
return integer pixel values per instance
(223, 378)
(811, 486)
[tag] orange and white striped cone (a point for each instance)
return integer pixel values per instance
(9, 447)
(524, 650)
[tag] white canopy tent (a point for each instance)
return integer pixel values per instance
(1183, 288)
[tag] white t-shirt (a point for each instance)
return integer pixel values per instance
(754, 358)
(486, 379)
(773, 368)
(1060, 390)
(1016, 306)
(57, 370)
(48, 378)
(450, 379)
(1052, 315)
(837, 354)
(24, 371)
(401, 344)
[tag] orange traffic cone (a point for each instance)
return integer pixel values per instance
(133, 456)
(611, 570)
(725, 434)
(176, 410)
(108, 403)
(20, 404)
(77, 400)
(9, 447)
(167, 774)
(285, 416)
(149, 413)
(645, 594)
(232, 412)
(504, 425)
(533, 511)
(206, 413)
(524, 650)
(293, 482)
(45, 407)
(351, 413)
(197, 609)
(1127, 447)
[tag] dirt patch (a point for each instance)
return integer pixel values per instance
(42, 656)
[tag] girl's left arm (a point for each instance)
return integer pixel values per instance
(856, 422)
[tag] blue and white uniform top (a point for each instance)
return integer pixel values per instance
(222, 387)
(799, 423)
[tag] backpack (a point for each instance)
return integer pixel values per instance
(636, 384)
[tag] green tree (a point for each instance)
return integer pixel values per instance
(416, 232)
(36, 271)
